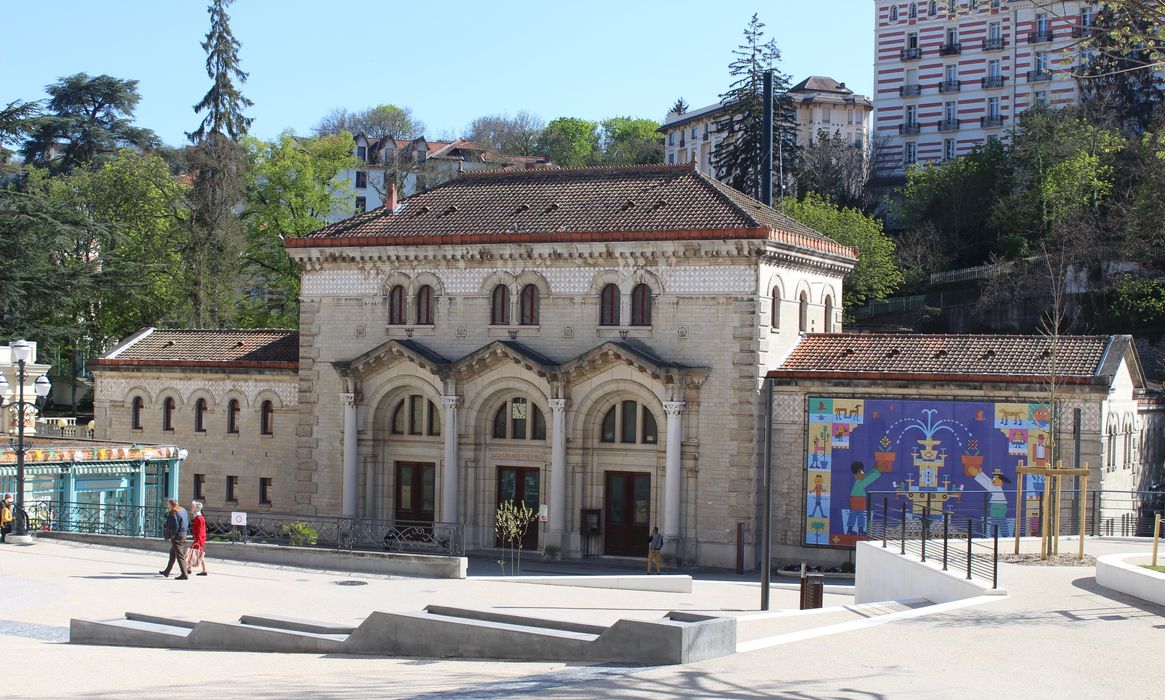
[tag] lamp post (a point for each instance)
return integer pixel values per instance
(21, 351)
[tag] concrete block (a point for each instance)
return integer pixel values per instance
(229, 636)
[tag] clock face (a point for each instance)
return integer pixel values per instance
(518, 410)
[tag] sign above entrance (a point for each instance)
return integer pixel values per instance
(524, 456)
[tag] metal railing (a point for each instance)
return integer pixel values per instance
(994, 43)
(909, 128)
(909, 90)
(948, 125)
(265, 528)
(950, 86)
(911, 53)
(991, 121)
(1038, 76)
(952, 48)
(992, 81)
(1040, 37)
(962, 543)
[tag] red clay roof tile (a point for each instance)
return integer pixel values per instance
(271, 348)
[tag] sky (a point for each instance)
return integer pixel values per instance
(449, 61)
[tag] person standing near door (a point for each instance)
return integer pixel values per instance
(654, 549)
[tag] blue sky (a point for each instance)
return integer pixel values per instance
(450, 61)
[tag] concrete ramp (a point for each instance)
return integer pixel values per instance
(436, 632)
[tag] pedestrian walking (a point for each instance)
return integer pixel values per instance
(196, 555)
(6, 514)
(654, 549)
(177, 521)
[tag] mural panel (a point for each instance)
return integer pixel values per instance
(960, 455)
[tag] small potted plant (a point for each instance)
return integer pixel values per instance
(884, 457)
(973, 459)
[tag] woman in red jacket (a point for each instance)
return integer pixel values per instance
(196, 555)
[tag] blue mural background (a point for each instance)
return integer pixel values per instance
(958, 454)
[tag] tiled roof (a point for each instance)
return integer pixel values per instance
(629, 203)
(260, 348)
(985, 358)
(820, 83)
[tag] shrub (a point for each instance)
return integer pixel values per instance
(301, 534)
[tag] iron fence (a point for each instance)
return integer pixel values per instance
(266, 528)
(964, 544)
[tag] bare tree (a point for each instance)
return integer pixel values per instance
(374, 122)
(501, 133)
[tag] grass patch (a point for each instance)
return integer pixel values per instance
(1158, 569)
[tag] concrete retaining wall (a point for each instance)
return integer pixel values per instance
(884, 574)
(672, 583)
(1124, 573)
(394, 563)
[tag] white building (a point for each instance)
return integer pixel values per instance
(950, 74)
(822, 103)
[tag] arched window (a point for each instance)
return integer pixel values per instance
(635, 424)
(266, 419)
(425, 306)
(529, 304)
(932, 9)
(913, 10)
(200, 416)
(415, 415)
(609, 306)
(396, 306)
(499, 313)
(519, 419)
(828, 314)
(135, 413)
(233, 416)
(168, 414)
(775, 310)
(803, 322)
(1110, 461)
(893, 13)
(641, 305)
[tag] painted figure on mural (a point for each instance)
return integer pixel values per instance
(818, 492)
(997, 502)
(856, 523)
(818, 453)
(1040, 452)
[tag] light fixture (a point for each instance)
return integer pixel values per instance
(623, 333)
(21, 350)
(513, 333)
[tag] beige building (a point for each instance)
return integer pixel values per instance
(229, 398)
(822, 104)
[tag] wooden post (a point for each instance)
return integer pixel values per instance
(1018, 501)
(1056, 522)
(1083, 509)
(1156, 537)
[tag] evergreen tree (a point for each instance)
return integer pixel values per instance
(680, 107)
(223, 103)
(1116, 85)
(217, 164)
(88, 120)
(739, 160)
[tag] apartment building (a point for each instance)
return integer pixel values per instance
(822, 104)
(951, 74)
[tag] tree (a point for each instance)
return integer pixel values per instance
(1129, 28)
(291, 189)
(223, 103)
(570, 142)
(501, 133)
(138, 207)
(15, 118)
(739, 160)
(834, 168)
(1114, 91)
(876, 275)
(680, 106)
(88, 119)
(625, 140)
(374, 122)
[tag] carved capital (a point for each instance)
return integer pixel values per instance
(557, 405)
(674, 408)
(450, 401)
(348, 398)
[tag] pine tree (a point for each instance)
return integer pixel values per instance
(679, 107)
(217, 167)
(739, 159)
(1118, 85)
(223, 102)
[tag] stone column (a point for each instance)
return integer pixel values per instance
(348, 500)
(671, 477)
(449, 474)
(558, 466)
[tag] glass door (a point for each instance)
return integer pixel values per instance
(521, 485)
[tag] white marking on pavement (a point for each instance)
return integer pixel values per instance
(803, 635)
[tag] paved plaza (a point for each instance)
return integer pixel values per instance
(1056, 633)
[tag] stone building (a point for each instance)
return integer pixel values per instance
(227, 397)
(589, 340)
(929, 412)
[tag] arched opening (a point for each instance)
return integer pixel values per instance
(396, 306)
(803, 321)
(775, 309)
(168, 414)
(500, 306)
(828, 314)
(641, 305)
(424, 304)
(135, 413)
(266, 419)
(233, 416)
(609, 306)
(200, 416)
(529, 306)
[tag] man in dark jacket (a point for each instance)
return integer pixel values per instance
(177, 522)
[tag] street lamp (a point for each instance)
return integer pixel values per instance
(21, 351)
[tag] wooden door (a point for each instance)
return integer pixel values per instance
(521, 485)
(415, 491)
(627, 509)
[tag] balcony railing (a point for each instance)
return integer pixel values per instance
(911, 53)
(1081, 31)
(1041, 37)
(948, 125)
(993, 121)
(953, 48)
(993, 81)
(910, 91)
(994, 43)
(950, 86)
(909, 129)
(1038, 76)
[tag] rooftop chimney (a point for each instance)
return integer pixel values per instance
(390, 198)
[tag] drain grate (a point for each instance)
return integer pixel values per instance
(351, 582)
